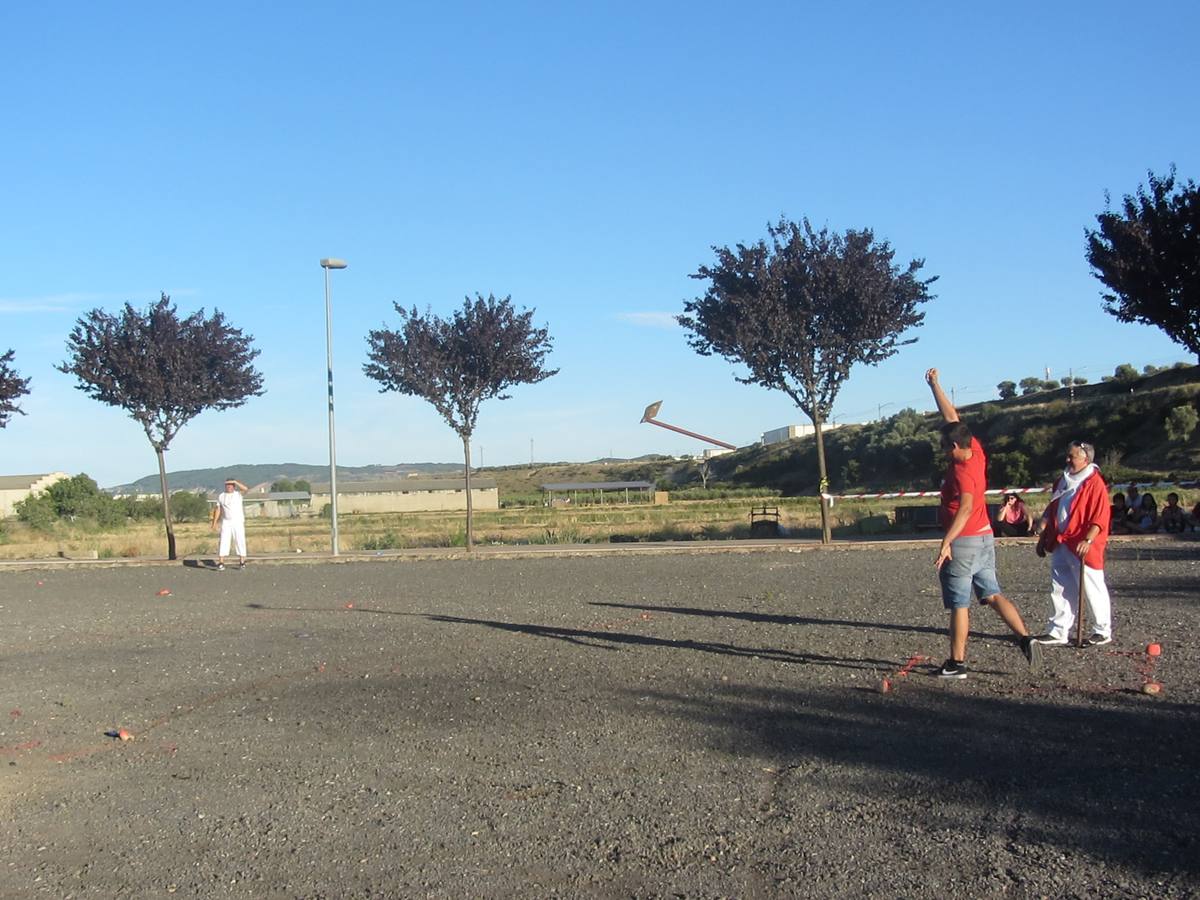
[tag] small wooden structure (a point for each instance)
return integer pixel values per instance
(764, 521)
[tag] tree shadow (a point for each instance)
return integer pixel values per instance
(781, 619)
(1118, 780)
(614, 640)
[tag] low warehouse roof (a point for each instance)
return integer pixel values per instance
(598, 486)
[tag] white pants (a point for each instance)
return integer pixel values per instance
(235, 531)
(1064, 594)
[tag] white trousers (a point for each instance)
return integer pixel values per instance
(235, 532)
(1064, 594)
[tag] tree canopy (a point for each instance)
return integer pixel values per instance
(481, 351)
(1148, 255)
(800, 311)
(12, 386)
(162, 369)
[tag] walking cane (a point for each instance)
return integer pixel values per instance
(1079, 620)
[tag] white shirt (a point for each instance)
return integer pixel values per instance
(230, 503)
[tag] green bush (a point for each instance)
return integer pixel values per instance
(1181, 422)
(1009, 470)
(389, 540)
(188, 507)
(37, 511)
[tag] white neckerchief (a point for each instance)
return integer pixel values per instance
(1065, 492)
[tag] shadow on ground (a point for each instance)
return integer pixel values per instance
(1118, 780)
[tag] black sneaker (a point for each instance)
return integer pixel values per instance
(952, 669)
(1032, 649)
(242, 564)
(1097, 640)
(1049, 640)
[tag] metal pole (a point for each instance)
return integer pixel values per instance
(332, 439)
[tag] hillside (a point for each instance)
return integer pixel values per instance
(252, 474)
(1025, 438)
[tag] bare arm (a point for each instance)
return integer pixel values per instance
(945, 407)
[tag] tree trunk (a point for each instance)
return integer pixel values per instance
(166, 498)
(824, 483)
(470, 507)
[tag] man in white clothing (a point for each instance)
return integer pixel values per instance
(228, 512)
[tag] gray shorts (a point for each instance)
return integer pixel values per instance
(971, 570)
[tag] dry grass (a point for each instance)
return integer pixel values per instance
(690, 520)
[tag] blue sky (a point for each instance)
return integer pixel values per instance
(582, 158)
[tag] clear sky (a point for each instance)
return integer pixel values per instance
(580, 157)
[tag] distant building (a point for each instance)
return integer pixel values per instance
(15, 488)
(791, 432)
(595, 491)
(408, 495)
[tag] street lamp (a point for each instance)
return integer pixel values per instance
(328, 264)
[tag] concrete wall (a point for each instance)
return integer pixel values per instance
(791, 432)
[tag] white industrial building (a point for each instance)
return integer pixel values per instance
(791, 432)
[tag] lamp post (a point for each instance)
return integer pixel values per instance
(328, 264)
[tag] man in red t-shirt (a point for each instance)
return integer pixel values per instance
(966, 560)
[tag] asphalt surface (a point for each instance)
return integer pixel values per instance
(696, 725)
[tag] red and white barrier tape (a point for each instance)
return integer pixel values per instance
(888, 495)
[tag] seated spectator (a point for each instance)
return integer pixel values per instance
(1195, 523)
(1013, 518)
(1144, 519)
(1119, 515)
(1172, 518)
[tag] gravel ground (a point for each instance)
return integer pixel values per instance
(704, 725)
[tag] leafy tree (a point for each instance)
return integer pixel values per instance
(1125, 372)
(455, 364)
(12, 386)
(1010, 469)
(800, 311)
(73, 498)
(189, 507)
(1007, 389)
(162, 370)
(1031, 385)
(1148, 255)
(1051, 384)
(284, 485)
(1181, 422)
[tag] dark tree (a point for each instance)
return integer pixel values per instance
(1148, 255)
(12, 386)
(1031, 385)
(455, 364)
(162, 370)
(1007, 389)
(800, 311)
